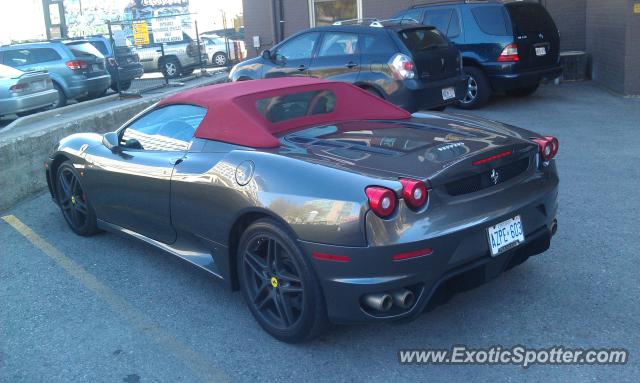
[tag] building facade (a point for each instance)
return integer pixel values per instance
(609, 30)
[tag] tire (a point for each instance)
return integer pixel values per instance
(219, 59)
(478, 89)
(62, 98)
(523, 92)
(279, 284)
(171, 68)
(73, 201)
(123, 86)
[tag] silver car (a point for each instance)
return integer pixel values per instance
(24, 92)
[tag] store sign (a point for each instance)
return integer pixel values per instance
(167, 29)
(141, 33)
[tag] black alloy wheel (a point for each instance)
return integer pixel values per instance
(73, 201)
(278, 285)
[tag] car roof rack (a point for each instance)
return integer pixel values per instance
(376, 23)
(442, 2)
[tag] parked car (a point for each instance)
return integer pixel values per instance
(217, 50)
(410, 65)
(22, 93)
(180, 57)
(317, 210)
(506, 46)
(123, 65)
(77, 68)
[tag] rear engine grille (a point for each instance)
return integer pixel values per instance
(483, 180)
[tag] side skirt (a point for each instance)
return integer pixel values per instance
(186, 250)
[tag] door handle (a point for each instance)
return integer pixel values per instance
(351, 65)
(302, 68)
(176, 161)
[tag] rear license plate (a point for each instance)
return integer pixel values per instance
(541, 51)
(448, 93)
(37, 85)
(505, 235)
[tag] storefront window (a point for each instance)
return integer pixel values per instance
(326, 12)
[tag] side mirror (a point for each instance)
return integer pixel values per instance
(266, 54)
(110, 141)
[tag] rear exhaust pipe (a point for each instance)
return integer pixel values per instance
(554, 227)
(379, 301)
(403, 298)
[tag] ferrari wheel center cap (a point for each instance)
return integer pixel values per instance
(274, 282)
(73, 199)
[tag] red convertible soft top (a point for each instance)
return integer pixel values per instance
(233, 115)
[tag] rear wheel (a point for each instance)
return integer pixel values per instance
(62, 98)
(523, 92)
(478, 89)
(73, 201)
(278, 283)
(219, 59)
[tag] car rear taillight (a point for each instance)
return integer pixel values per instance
(403, 67)
(381, 200)
(112, 61)
(549, 146)
(77, 64)
(509, 54)
(17, 88)
(414, 192)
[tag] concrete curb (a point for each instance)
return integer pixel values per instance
(22, 154)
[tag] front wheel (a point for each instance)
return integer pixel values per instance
(478, 89)
(73, 201)
(278, 283)
(171, 68)
(219, 59)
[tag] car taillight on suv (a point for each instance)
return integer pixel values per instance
(403, 67)
(509, 54)
(76, 65)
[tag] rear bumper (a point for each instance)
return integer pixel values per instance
(506, 76)
(460, 260)
(415, 96)
(28, 102)
(83, 85)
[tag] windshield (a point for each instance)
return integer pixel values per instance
(423, 39)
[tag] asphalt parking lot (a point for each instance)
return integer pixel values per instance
(112, 309)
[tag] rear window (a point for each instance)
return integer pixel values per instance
(530, 17)
(491, 20)
(101, 46)
(81, 49)
(296, 105)
(422, 39)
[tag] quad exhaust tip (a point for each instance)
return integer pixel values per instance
(403, 298)
(379, 301)
(382, 302)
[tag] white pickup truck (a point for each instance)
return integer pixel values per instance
(180, 58)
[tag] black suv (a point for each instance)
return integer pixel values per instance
(122, 63)
(408, 64)
(507, 46)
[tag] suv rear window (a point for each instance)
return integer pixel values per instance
(530, 17)
(422, 39)
(296, 105)
(81, 49)
(492, 20)
(101, 46)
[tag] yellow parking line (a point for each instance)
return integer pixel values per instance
(199, 366)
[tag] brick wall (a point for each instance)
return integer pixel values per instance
(258, 21)
(606, 41)
(571, 18)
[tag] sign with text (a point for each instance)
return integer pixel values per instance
(141, 33)
(636, 8)
(167, 29)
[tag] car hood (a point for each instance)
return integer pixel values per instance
(425, 147)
